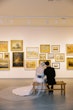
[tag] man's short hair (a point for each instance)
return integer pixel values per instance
(47, 63)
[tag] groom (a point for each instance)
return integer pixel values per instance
(49, 72)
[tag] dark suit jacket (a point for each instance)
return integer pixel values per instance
(50, 73)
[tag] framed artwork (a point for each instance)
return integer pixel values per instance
(45, 48)
(30, 64)
(69, 49)
(6, 56)
(4, 64)
(70, 63)
(40, 61)
(1, 55)
(42, 56)
(3, 46)
(18, 59)
(16, 45)
(32, 52)
(56, 65)
(50, 55)
(55, 48)
(60, 57)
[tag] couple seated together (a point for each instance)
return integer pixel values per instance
(44, 74)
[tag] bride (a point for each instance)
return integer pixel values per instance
(28, 90)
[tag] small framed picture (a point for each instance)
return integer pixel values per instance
(56, 65)
(42, 56)
(44, 48)
(55, 48)
(69, 49)
(70, 63)
(6, 56)
(50, 55)
(40, 61)
(60, 57)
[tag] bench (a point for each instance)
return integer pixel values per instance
(62, 87)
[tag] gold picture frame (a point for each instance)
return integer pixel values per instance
(3, 46)
(32, 52)
(55, 48)
(42, 56)
(40, 61)
(44, 48)
(16, 45)
(59, 57)
(30, 64)
(4, 65)
(69, 63)
(18, 59)
(69, 49)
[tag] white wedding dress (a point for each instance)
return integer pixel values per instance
(28, 90)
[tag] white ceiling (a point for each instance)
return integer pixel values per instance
(36, 12)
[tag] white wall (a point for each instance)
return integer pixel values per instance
(33, 37)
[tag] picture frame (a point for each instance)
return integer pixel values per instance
(69, 49)
(1, 56)
(42, 56)
(16, 45)
(44, 48)
(59, 57)
(40, 61)
(56, 65)
(69, 63)
(55, 48)
(18, 59)
(30, 64)
(3, 46)
(50, 55)
(6, 56)
(32, 52)
(4, 65)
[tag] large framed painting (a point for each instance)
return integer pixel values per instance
(4, 65)
(55, 48)
(60, 57)
(3, 46)
(69, 49)
(42, 56)
(18, 59)
(30, 64)
(32, 52)
(44, 48)
(70, 63)
(41, 61)
(16, 45)
(56, 65)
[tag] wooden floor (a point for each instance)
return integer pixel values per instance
(46, 102)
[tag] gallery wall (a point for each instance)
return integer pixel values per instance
(34, 37)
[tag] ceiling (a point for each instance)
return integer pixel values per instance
(36, 12)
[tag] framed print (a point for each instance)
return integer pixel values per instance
(32, 52)
(3, 46)
(70, 63)
(42, 56)
(60, 57)
(55, 48)
(69, 49)
(45, 48)
(56, 65)
(50, 55)
(1, 55)
(40, 61)
(4, 64)
(6, 56)
(16, 45)
(18, 59)
(30, 64)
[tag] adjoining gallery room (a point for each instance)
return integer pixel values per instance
(36, 54)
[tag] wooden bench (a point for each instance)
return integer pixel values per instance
(62, 87)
